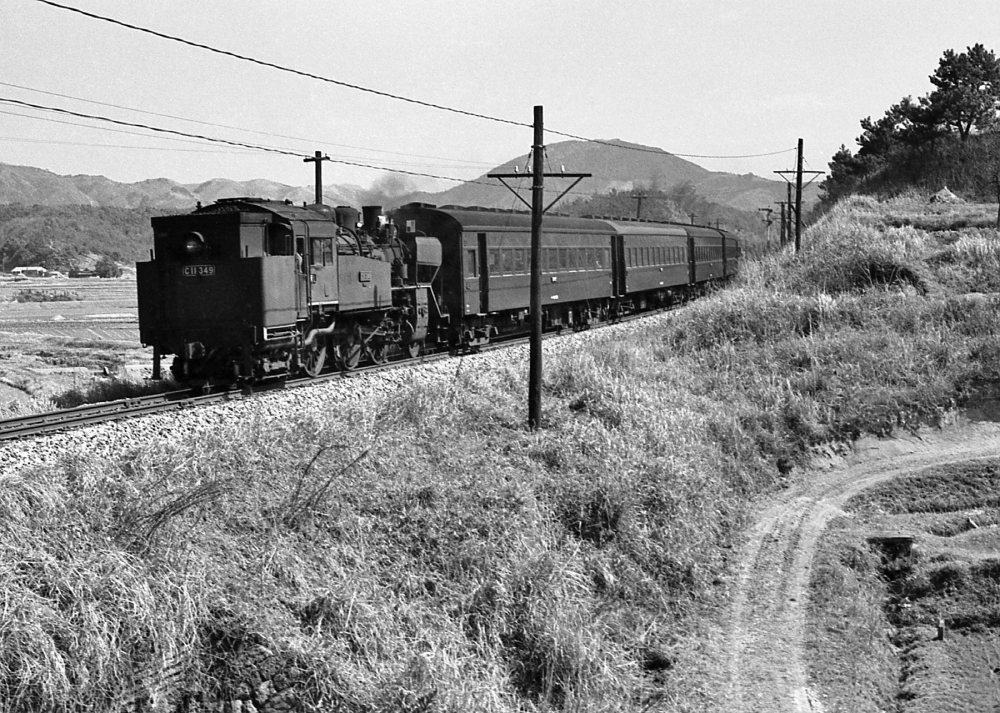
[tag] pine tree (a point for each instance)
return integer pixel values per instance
(967, 94)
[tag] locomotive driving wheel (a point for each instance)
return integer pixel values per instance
(349, 352)
(378, 350)
(313, 358)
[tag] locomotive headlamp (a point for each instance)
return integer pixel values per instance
(194, 243)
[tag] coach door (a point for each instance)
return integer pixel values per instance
(475, 294)
(618, 276)
(302, 284)
(692, 260)
(484, 275)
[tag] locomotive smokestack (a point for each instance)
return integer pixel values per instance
(371, 214)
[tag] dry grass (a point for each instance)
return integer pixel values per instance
(850, 649)
(430, 553)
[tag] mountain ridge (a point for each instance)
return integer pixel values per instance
(614, 165)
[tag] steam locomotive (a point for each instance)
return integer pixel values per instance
(247, 289)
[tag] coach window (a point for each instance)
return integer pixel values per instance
(471, 264)
(494, 259)
(279, 240)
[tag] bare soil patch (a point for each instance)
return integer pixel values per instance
(50, 347)
(764, 662)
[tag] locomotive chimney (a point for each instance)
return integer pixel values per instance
(371, 214)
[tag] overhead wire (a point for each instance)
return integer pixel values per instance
(227, 142)
(389, 95)
(175, 135)
(102, 128)
(236, 128)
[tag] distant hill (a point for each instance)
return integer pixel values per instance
(621, 166)
(26, 185)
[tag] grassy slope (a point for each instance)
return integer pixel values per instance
(428, 553)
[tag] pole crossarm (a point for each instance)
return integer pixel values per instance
(816, 174)
(501, 176)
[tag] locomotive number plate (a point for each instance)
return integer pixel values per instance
(364, 276)
(198, 270)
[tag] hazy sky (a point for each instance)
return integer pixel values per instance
(709, 77)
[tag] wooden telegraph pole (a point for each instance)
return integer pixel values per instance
(535, 304)
(318, 158)
(798, 201)
(638, 207)
(797, 210)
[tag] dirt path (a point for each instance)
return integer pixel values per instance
(764, 655)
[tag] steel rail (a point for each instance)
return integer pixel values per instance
(90, 414)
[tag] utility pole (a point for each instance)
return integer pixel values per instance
(693, 216)
(318, 158)
(798, 193)
(638, 208)
(798, 201)
(788, 199)
(767, 222)
(535, 303)
(784, 225)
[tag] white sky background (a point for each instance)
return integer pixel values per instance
(716, 77)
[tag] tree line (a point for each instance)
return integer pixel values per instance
(65, 237)
(678, 204)
(950, 137)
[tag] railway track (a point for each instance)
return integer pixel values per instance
(51, 421)
(90, 414)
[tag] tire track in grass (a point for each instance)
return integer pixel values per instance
(763, 648)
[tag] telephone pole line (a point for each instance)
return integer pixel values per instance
(535, 304)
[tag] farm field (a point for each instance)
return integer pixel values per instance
(65, 334)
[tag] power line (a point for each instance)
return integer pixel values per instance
(264, 63)
(388, 95)
(90, 126)
(236, 128)
(174, 134)
(168, 138)
(49, 142)
(227, 142)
